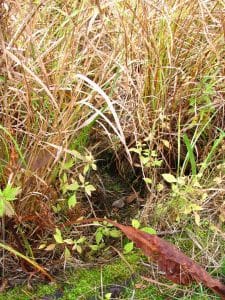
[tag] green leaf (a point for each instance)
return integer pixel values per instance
(89, 188)
(148, 230)
(81, 240)
(94, 247)
(68, 165)
(135, 223)
(144, 159)
(86, 169)
(148, 180)
(58, 236)
(72, 201)
(115, 233)
(98, 236)
(73, 186)
(2, 207)
(128, 247)
(69, 241)
(10, 193)
(108, 296)
(78, 249)
(67, 253)
(159, 187)
(138, 151)
(169, 178)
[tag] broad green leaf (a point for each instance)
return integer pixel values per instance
(68, 164)
(128, 247)
(98, 237)
(144, 159)
(81, 240)
(72, 201)
(69, 241)
(10, 193)
(135, 223)
(94, 247)
(67, 253)
(115, 233)
(108, 296)
(148, 180)
(58, 236)
(148, 230)
(169, 178)
(73, 186)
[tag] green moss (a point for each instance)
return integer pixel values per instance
(86, 284)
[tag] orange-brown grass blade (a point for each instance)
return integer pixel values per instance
(30, 261)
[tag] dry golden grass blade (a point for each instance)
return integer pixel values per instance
(36, 78)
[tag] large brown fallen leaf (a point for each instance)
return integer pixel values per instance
(177, 267)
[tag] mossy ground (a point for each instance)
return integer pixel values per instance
(93, 283)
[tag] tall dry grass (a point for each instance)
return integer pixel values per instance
(151, 71)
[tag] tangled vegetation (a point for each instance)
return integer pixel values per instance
(110, 109)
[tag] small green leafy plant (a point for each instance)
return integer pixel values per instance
(71, 189)
(183, 191)
(103, 232)
(68, 244)
(148, 158)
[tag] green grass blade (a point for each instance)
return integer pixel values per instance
(191, 155)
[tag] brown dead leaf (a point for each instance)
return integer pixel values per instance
(129, 199)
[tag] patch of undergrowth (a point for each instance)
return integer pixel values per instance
(142, 87)
(121, 278)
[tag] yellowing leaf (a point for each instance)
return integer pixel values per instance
(58, 236)
(169, 178)
(50, 247)
(166, 143)
(89, 188)
(148, 180)
(135, 223)
(197, 218)
(42, 246)
(9, 211)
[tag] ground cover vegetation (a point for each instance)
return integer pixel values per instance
(110, 109)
